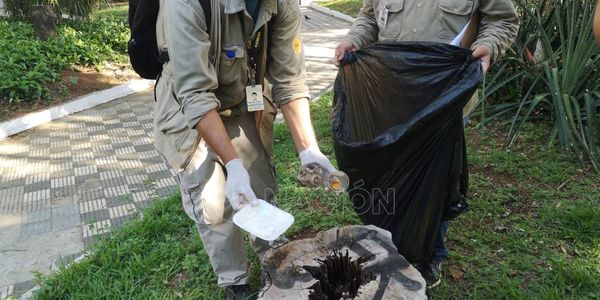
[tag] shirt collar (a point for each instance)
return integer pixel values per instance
(267, 8)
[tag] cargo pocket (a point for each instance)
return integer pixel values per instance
(454, 15)
(203, 188)
(393, 24)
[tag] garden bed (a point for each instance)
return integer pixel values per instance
(74, 83)
(84, 56)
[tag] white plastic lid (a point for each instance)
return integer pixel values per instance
(264, 220)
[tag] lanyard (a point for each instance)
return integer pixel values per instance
(253, 47)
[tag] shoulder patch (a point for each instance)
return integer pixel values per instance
(297, 45)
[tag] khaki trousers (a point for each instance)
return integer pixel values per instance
(202, 185)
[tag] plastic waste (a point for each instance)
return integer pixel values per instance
(263, 220)
(314, 175)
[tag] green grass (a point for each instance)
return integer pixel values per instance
(118, 10)
(533, 230)
(349, 7)
(161, 257)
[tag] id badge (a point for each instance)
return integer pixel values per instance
(383, 16)
(254, 97)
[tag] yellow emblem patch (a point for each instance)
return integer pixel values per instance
(297, 45)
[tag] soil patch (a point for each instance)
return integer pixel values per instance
(304, 234)
(521, 203)
(176, 280)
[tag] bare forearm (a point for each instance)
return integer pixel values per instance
(297, 116)
(212, 130)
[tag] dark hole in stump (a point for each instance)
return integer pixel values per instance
(339, 277)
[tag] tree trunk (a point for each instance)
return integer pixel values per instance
(353, 262)
(44, 19)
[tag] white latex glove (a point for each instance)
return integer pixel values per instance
(237, 187)
(313, 155)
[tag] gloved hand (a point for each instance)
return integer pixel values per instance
(237, 187)
(313, 155)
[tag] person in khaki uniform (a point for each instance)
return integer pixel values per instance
(490, 26)
(219, 143)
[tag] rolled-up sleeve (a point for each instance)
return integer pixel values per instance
(286, 68)
(364, 31)
(498, 27)
(188, 44)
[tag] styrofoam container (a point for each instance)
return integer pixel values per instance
(263, 220)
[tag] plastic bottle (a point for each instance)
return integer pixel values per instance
(338, 182)
(314, 176)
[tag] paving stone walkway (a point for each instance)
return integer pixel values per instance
(67, 182)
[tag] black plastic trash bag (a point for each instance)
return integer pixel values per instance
(398, 134)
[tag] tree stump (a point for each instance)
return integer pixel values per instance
(353, 262)
(44, 19)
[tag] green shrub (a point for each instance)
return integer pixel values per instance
(551, 73)
(28, 64)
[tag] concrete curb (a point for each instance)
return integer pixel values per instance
(331, 12)
(34, 119)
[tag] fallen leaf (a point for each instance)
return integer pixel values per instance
(530, 56)
(514, 273)
(540, 262)
(563, 184)
(500, 228)
(562, 248)
(457, 274)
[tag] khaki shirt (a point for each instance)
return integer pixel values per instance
(191, 85)
(181, 30)
(435, 21)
